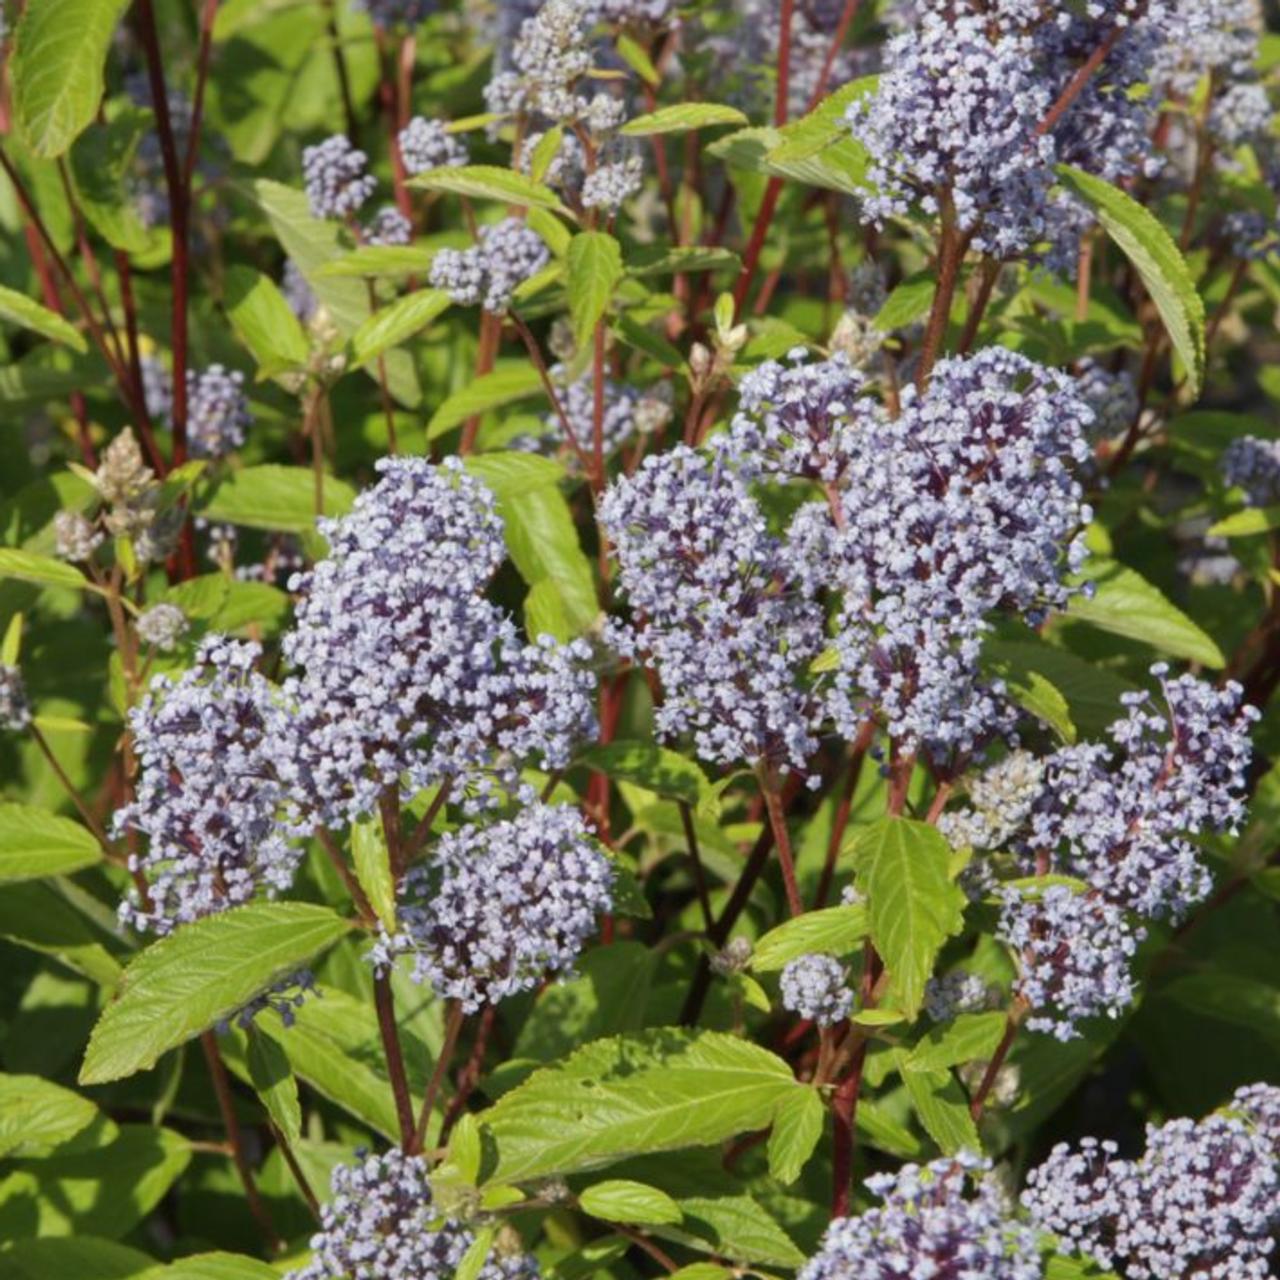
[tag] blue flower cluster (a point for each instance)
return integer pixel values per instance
(1253, 465)
(716, 611)
(1119, 821)
(404, 673)
(427, 144)
(963, 505)
(814, 986)
(943, 1220)
(500, 906)
(381, 1223)
(1202, 1200)
(208, 796)
(336, 177)
(217, 411)
(507, 254)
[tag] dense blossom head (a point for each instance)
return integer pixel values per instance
(814, 986)
(609, 186)
(1259, 1104)
(381, 1223)
(76, 537)
(500, 906)
(387, 227)
(1000, 800)
(957, 992)
(405, 672)
(1253, 465)
(1202, 1200)
(547, 60)
(217, 411)
(336, 177)
(963, 505)
(489, 272)
(955, 112)
(942, 1221)
(718, 614)
(1074, 953)
(1121, 823)
(624, 409)
(207, 800)
(1112, 397)
(428, 144)
(298, 293)
(799, 419)
(162, 626)
(15, 709)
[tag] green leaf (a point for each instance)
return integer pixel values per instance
(37, 916)
(44, 571)
(373, 870)
(200, 975)
(1125, 604)
(969, 1038)
(736, 1227)
(509, 382)
(488, 182)
(37, 1116)
(59, 52)
(1145, 242)
(1093, 693)
(943, 1109)
(74, 1258)
(908, 302)
(378, 261)
(25, 312)
(465, 1149)
(333, 1047)
(273, 1082)
(512, 473)
(912, 906)
(1246, 523)
(797, 1126)
(681, 259)
(542, 541)
(835, 930)
(681, 118)
(395, 324)
(313, 242)
(1038, 697)
(658, 769)
(264, 322)
(618, 1200)
(635, 56)
(35, 843)
(215, 1266)
(227, 604)
(594, 269)
(477, 1253)
(105, 1191)
(276, 497)
(658, 1090)
(102, 159)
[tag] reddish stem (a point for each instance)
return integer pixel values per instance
(384, 1003)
